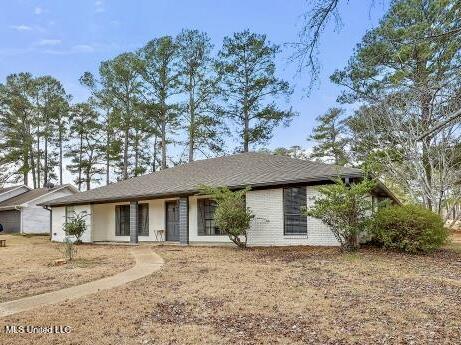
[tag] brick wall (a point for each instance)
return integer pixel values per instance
(267, 227)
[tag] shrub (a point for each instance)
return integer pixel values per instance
(231, 215)
(409, 228)
(346, 209)
(76, 226)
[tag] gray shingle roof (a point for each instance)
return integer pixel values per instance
(7, 189)
(245, 169)
(27, 196)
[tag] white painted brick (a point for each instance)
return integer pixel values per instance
(267, 227)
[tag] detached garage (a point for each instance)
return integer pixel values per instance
(10, 221)
(19, 210)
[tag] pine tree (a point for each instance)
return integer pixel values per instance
(86, 154)
(330, 137)
(121, 85)
(16, 121)
(203, 124)
(246, 66)
(159, 69)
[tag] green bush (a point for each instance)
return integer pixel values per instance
(409, 228)
(231, 214)
(76, 226)
(346, 209)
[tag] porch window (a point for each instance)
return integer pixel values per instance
(205, 218)
(294, 201)
(122, 220)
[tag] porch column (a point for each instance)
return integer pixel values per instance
(133, 222)
(184, 220)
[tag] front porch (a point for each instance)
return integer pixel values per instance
(168, 221)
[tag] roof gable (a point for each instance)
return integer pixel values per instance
(31, 195)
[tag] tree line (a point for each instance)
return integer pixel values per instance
(405, 75)
(140, 103)
(403, 78)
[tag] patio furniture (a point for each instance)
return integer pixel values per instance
(2, 243)
(159, 235)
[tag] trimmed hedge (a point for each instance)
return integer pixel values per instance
(409, 228)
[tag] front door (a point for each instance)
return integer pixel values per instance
(172, 221)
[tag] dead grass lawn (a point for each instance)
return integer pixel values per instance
(220, 295)
(26, 265)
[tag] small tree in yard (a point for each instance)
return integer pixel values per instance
(68, 249)
(231, 215)
(346, 209)
(76, 226)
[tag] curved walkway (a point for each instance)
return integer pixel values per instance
(147, 262)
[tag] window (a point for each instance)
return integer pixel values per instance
(205, 218)
(70, 213)
(122, 220)
(294, 201)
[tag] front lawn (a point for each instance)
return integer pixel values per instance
(26, 265)
(221, 295)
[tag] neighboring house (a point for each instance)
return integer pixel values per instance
(166, 205)
(20, 213)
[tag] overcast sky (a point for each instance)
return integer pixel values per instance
(66, 38)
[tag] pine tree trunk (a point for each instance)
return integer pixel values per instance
(136, 153)
(192, 120)
(80, 155)
(25, 173)
(107, 156)
(154, 161)
(60, 156)
(39, 157)
(32, 165)
(125, 155)
(45, 171)
(246, 134)
(163, 134)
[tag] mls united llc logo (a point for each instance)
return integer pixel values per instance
(15, 329)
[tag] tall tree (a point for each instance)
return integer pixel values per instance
(159, 68)
(16, 121)
(102, 99)
(203, 123)
(87, 152)
(330, 137)
(50, 105)
(120, 83)
(408, 84)
(246, 66)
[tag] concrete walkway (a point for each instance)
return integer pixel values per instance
(147, 262)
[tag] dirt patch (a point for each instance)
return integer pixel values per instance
(27, 265)
(221, 295)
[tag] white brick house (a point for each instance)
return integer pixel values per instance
(166, 205)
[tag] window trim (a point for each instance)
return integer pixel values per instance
(303, 234)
